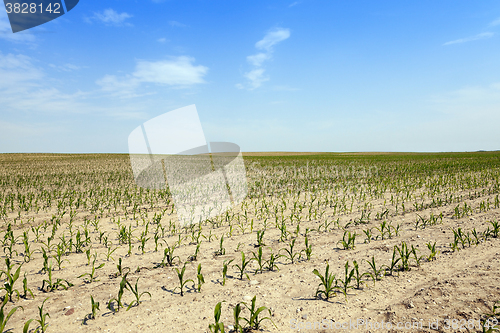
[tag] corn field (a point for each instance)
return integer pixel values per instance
(319, 239)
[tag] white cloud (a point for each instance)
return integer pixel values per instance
(272, 38)
(294, 4)
(111, 17)
(66, 67)
(177, 24)
(257, 59)
(162, 40)
(7, 34)
(256, 76)
(483, 35)
(176, 71)
(495, 23)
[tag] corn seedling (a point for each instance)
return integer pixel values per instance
(242, 266)
(54, 285)
(118, 299)
(308, 248)
(345, 283)
(260, 236)
(357, 276)
(236, 315)
(432, 248)
(182, 282)
(254, 321)
(224, 270)
(490, 321)
(217, 327)
(221, 250)
(91, 275)
(8, 285)
(496, 228)
(194, 257)
(348, 242)
(259, 259)
(200, 278)
(289, 253)
(58, 257)
(271, 263)
(4, 318)
(376, 273)
(120, 268)
(94, 308)
(42, 322)
(394, 262)
(369, 235)
(137, 295)
(327, 282)
(26, 290)
(168, 257)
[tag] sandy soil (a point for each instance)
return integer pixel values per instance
(458, 285)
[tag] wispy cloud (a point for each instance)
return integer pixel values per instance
(294, 4)
(7, 34)
(177, 24)
(162, 40)
(483, 35)
(65, 67)
(257, 76)
(495, 23)
(176, 71)
(110, 17)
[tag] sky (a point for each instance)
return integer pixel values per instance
(306, 75)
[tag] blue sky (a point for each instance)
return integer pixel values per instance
(305, 75)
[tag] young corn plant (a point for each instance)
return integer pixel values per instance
(54, 285)
(92, 274)
(236, 315)
(222, 250)
(118, 299)
(94, 308)
(271, 262)
(258, 258)
(217, 327)
(243, 265)
(182, 282)
(432, 248)
(490, 321)
(11, 278)
(4, 318)
(394, 262)
(137, 295)
(345, 283)
(357, 276)
(26, 290)
(404, 255)
(289, 253)
(260, 237)
(369, 235)
(42, 322)
(348, 240)
(496, 228)
(308, 249)
(194, 257)
(168, 257)
(58, 257)
(120, 268)
(376, 273)
(200, 278)
(225, 265)
(327, 282)
(254, 321)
